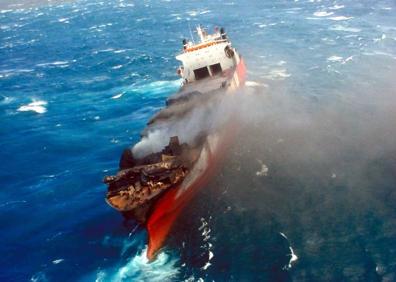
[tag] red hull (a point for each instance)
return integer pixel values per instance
(169, 206)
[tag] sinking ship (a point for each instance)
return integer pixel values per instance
(153, 189)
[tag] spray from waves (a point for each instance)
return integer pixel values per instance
(161, 88)
(138, 268)
(156, 88)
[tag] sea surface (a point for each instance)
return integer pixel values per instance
(307, 191)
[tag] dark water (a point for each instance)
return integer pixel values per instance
(306, 193)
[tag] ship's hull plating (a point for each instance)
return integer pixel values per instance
(169, 206)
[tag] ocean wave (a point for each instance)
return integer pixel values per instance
(119, 51)
(57, 261)
(277, 74)
(5, 11)
(56, 64)
(344, 28)
(340, 18)
(117, 96)
(5, 100)
(336, 7)
(322, 14)
(157, 87)
(117, 67)
(334, 59)
(64, 20)
(103, 51)
(35, 106)
(194, 13)
(12, 203)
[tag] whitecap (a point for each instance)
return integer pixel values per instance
(344, 28)
(39, 277)
(263, 170)
(336, 7)
(334, 59)
(119, 51)
(207, 245)
(322, 14)
(293, 257)
(205, 12)
(277, 74)
(57, 261)
(192, 13)
(56, 63)
(117, 67)
(12, 203)
(117, 96)
(5, 11)
(5, 27)
(350, 58)
(283, 235)
(6, 100)
(206, 266)
(252, 83)
(383, 36)
(63, 20)
(103, 51)
(35, 106)
(311, 18)
(340, 18)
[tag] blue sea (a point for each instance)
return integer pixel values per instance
(308, 188)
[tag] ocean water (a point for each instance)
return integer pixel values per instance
(306, 193)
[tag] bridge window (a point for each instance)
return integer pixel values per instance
(201, 73)
(216, 69)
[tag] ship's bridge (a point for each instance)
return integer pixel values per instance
(213, 56)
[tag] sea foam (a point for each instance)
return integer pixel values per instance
(35, 106)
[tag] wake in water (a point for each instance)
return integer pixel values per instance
(136, 267)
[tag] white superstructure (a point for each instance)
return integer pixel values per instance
(212, 56)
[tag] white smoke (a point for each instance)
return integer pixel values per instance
(203, 118)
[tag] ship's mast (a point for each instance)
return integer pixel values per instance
(201, 33)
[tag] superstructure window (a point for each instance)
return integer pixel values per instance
(201, 73)
(215, 69)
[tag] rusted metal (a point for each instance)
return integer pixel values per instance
(133, 189)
